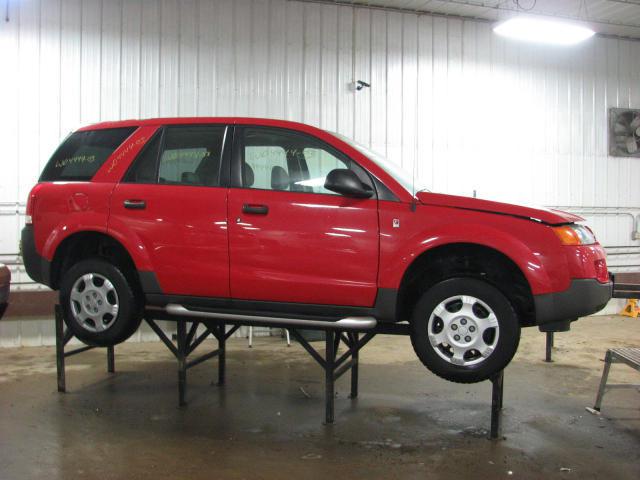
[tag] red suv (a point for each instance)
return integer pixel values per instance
(272, 221)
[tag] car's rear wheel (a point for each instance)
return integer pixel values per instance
(464, 330)
(99, 303)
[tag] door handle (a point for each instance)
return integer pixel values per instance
(135, 204)
(255, 209)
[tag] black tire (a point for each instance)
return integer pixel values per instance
(115, 328)
(503, 339)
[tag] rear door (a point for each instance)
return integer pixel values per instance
(172, 206)
(290, 239)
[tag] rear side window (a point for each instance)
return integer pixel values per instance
(83, 153)
(181, 155)
(143, 169)
(191, 156)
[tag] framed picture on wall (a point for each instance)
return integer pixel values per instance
(624, 132)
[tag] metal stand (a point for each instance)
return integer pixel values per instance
(63, 335)
(497, 395)
(187, 342)
(334, 365)
(549, 347)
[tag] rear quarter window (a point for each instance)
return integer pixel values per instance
(83, 153)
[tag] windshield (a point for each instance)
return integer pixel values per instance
(400, 175)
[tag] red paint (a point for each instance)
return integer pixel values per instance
(181, 235)
(309, 248)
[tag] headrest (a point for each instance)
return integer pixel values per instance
(279, 178)
(190, 178)
(247, 175)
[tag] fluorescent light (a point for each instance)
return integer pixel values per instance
(531, 29)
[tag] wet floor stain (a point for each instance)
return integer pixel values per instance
(267, 421)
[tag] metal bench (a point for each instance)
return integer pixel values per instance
(629, 356)
(626, 285)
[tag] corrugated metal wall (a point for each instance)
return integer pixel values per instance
(468, 109)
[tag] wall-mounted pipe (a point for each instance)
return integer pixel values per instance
(607, 211)
(12, 208)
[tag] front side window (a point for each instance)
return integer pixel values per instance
(274, 159)
(181, 155)
(83, 153)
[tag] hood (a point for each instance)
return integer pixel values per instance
(545, 215)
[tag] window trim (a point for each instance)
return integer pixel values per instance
(225, 152)
(237, 157)
(158, 132)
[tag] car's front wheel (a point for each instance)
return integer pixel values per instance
(99, 303)
(464, 330)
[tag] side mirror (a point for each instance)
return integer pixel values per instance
(346, 182)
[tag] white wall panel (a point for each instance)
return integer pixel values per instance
(345, 98)
(9, 121)
(467, 109)
(362, 70)
(149, 102)
(131, 60)
(329, 89)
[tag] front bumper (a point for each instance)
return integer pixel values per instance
(583, 297)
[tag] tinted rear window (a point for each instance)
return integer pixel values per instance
(83, 153)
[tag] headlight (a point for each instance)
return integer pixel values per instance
(575, 235)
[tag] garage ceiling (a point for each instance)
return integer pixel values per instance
(619, 18)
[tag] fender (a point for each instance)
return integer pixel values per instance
(498, 232)
(64, 231)
(67, 209)
(131, 242)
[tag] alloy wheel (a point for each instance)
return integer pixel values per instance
(463, 330)
(94, 302)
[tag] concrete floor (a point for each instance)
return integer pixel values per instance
(267, 421)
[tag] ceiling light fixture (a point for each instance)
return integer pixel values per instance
(553, 32)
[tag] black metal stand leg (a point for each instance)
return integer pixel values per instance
(603, 381)
(222, 350)
(182, 364)
(329, 380)
(497, 384)
(354, 367)
(111, 361)
(549, 347)
(60, 349)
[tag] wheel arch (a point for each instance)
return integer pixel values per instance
(466, 259)
(86, 244)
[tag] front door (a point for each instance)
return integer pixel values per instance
(171, 203)
(291, 240)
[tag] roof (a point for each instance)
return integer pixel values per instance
(195, 120)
